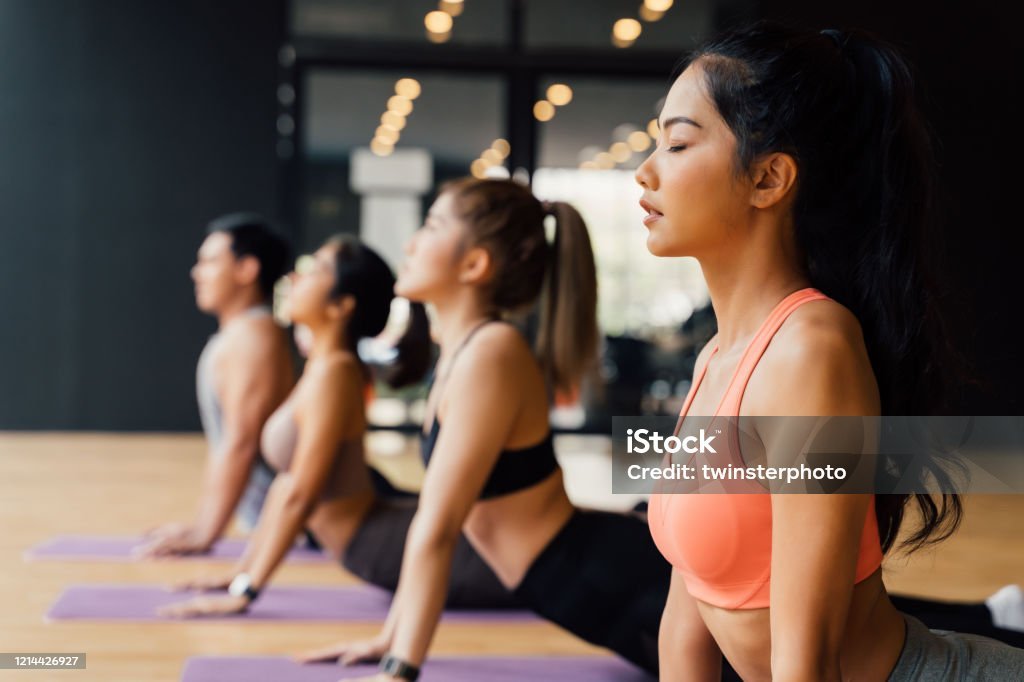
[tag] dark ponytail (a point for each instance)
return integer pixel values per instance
(567, 337)
(413, 351)
(360, 272)
(505, 218)
(844, 106)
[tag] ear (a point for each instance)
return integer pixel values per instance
(774, 178)
(343, 308)
(247, 270)
(476, 266)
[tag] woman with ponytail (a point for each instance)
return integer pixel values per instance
(315, 442)
(481, 256)
(797, 168)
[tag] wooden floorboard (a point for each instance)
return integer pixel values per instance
(119, 484)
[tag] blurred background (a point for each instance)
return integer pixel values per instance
(127, 126)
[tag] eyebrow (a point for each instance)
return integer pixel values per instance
(679, 119)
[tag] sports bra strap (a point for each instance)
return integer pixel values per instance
(730, 404)
(451, 363)
(733, 396)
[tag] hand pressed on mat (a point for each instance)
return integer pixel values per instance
(347, 653)
(206, 606)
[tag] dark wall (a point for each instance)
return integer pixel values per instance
(968, 56)
(125, 127)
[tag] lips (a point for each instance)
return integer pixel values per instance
(652, 213)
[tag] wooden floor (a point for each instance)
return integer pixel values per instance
(121, 484)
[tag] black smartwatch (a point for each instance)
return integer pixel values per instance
(242, 586)
(396, 667)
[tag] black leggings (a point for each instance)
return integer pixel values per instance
(973, 619)
(385, 488)
(602, 579)
(375, 555)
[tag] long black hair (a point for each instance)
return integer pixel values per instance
(845, 107)
(360, 272)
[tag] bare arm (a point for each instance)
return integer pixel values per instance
(221, 579)
(481, 405)
(815, 537)
(295, 493)
(322, 420)
(480, 396)
(250, 394)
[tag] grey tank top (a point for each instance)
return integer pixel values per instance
(206, 386)
(349, 473)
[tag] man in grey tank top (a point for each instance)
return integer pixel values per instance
(244, 373)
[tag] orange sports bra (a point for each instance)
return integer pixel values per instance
(722, 543)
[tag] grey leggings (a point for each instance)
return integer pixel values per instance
(943, 656)
(375, 555)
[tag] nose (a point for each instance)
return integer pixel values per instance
(645, 175)
(407, 248)
(194, 273)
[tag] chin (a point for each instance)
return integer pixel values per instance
(404, 290)
(292, 311)
(656, 246)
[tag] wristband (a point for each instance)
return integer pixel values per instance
(396, 667)
(241, 586)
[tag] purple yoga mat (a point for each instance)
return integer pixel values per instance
(119, 548)
(334, 604)
(477, 669)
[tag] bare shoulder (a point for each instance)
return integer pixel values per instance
(497, 343)
(822, 330)
(257, 336)
(497, 351)
(330, 386)
(818, 363)
(334, 372)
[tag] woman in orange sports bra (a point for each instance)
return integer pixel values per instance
(796, 168)
(718, 568)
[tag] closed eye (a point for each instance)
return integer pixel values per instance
(677, 148)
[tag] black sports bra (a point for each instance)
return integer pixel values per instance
(515, 470)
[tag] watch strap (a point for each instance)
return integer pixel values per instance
(242, 586)
(396, 667)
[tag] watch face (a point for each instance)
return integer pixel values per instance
(398, 668)
(239, 585)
